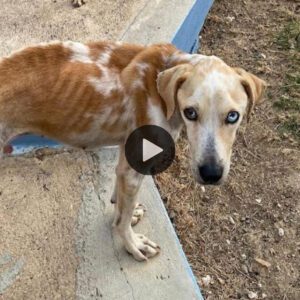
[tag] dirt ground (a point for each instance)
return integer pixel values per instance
(38, 221)
(243, 238)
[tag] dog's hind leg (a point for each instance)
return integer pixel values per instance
(128, 184)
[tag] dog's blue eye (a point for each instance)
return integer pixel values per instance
(232, 117)
(191, 114)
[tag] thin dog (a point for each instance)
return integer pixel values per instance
(96, 94)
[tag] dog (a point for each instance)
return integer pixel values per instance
(96, 94)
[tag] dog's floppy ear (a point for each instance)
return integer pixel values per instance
(168, 83)
(254, 88)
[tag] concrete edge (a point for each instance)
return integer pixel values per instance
(157, 22)
(187, 265)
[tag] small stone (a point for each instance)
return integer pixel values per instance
(206, 280)
(206, 198)
(244, 256)
(202, 189)
(286, 219)
(222, 281)
(286, 151)
(252, 295)
(231, 220)
(262, 55)
(272, 251)
(228, 242)
(258, 200)
(280, 232)
(259, 285)
(172, 214)
(230, 19)
(263, 295)
(245, 269)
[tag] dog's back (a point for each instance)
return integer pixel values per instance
(28, 78)
(50, 89)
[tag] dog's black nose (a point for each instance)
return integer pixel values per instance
(211, 173)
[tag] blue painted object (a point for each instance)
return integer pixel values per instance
(29, 142)
(186, 39)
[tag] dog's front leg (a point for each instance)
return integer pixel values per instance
(139, 209)
(127, 187)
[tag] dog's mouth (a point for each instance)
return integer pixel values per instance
(202, 182)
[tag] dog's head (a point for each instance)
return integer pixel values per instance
(212, 99)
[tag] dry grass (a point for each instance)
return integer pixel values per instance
(224, 230)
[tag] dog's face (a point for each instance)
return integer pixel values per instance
(212, 99)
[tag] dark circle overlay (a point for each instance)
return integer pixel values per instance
(134, 149)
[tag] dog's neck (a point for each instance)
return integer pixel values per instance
(140, 77)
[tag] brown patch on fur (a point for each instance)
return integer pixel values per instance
(122, 55)
(52, 93)
(96, 48)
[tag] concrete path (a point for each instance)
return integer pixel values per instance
(55, 213)
(40, 198)
(25, 22)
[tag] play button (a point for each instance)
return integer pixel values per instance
(149, 149)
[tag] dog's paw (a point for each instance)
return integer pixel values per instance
(138, 213)
(141, 247)
(78, 3)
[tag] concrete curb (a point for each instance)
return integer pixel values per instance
(105, 270)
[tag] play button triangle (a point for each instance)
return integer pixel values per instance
(150, 150)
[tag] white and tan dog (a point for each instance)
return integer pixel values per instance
(90, 95)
